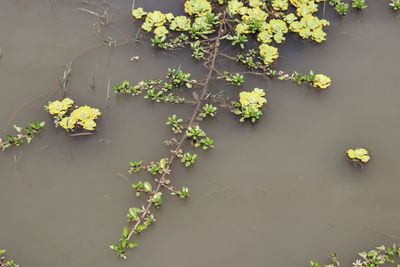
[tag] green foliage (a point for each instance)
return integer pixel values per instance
(359, 4)
(198, 51)
(195, 133)
(133, 214)
(175, 123)
(179, 78)
(183, 193)
(135, 166)
(156, 199)
(4, 262)
(211, 28)
(159, 90)
(340, 7)
(380, 256)
(188, 159)
(235, 79)
(125, 88)
(300, 78)
(248, 59)
(124, 244)
(238, 39)
(395, 4)
(24, 134)
(208, 111)
(205, 143)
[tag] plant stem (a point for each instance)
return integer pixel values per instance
(195, 114)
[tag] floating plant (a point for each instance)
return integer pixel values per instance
(73, 119)
(358, 155)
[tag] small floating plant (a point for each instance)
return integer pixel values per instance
(73, 119)
(359, 156)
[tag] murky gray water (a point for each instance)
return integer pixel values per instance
(277, 194)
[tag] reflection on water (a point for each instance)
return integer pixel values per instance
(279, 193)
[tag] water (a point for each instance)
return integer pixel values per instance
(276, 194)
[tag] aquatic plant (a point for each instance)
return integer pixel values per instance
(24, 134)
(256, 28)
(359, 4)
(204, 29)
(379, 256)
(4, 262)
(73, 118)
(358, 155)
(395, 4)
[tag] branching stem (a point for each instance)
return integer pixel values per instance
(196, 111)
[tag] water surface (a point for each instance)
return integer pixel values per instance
(276, 194)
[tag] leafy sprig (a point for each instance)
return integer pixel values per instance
(24, 134)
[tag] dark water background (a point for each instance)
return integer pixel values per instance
(277, 194)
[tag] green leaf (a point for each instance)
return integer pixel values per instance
(125, 232)
(132, 244)
(2, 251)
(147, 187)
(18, 129)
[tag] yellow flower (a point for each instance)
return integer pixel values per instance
(68, 123)
(268, 53)
(138, 13)
(322, 81)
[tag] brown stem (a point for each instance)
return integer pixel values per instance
(196, 111)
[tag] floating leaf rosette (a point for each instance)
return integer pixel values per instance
(250, 104)
(358, 155)
(73, 118)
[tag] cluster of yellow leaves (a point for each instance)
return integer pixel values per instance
(359, 155)
(310, 27)
(268, 53)
(84, 116)
(280, 5)
(197, 7)
(157, 21)
(254, 19)
(255, 98)
(59, 108)
(322, 81)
